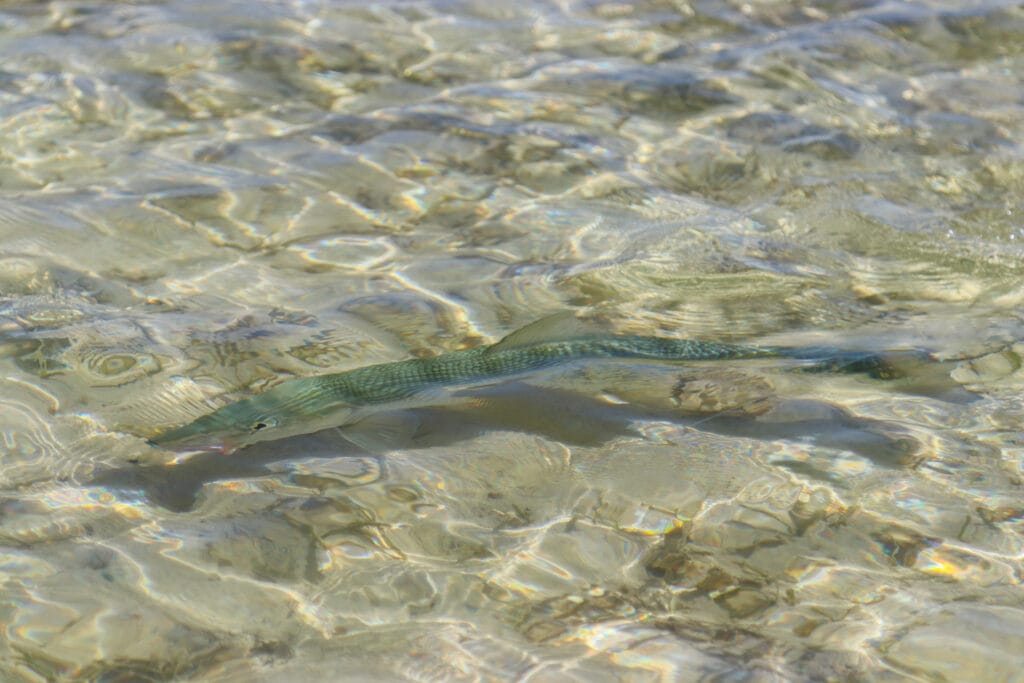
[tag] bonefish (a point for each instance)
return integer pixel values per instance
(305, 405)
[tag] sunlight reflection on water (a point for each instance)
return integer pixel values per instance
(199, 201)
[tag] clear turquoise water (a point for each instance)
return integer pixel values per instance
(200, 200)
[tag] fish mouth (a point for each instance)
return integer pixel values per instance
(209, 433)
(204, 443)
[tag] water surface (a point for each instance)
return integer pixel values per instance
(200, 200)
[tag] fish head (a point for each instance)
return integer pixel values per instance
(269, 416)
(215, 432)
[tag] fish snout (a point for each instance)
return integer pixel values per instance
(207, 443)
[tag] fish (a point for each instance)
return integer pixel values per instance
(308, 404)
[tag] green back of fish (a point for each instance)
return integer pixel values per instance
(388, 382)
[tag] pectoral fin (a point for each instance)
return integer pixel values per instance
(383, 431)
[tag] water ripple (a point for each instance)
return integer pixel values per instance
(199, 201)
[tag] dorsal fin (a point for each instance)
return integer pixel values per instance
(558, 327)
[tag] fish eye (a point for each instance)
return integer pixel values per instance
(263, 424)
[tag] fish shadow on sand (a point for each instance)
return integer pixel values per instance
(561, 415)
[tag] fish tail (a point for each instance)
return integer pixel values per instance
(875, 364)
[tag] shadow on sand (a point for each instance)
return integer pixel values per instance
(565, 416)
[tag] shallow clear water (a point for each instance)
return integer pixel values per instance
(201, 199)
